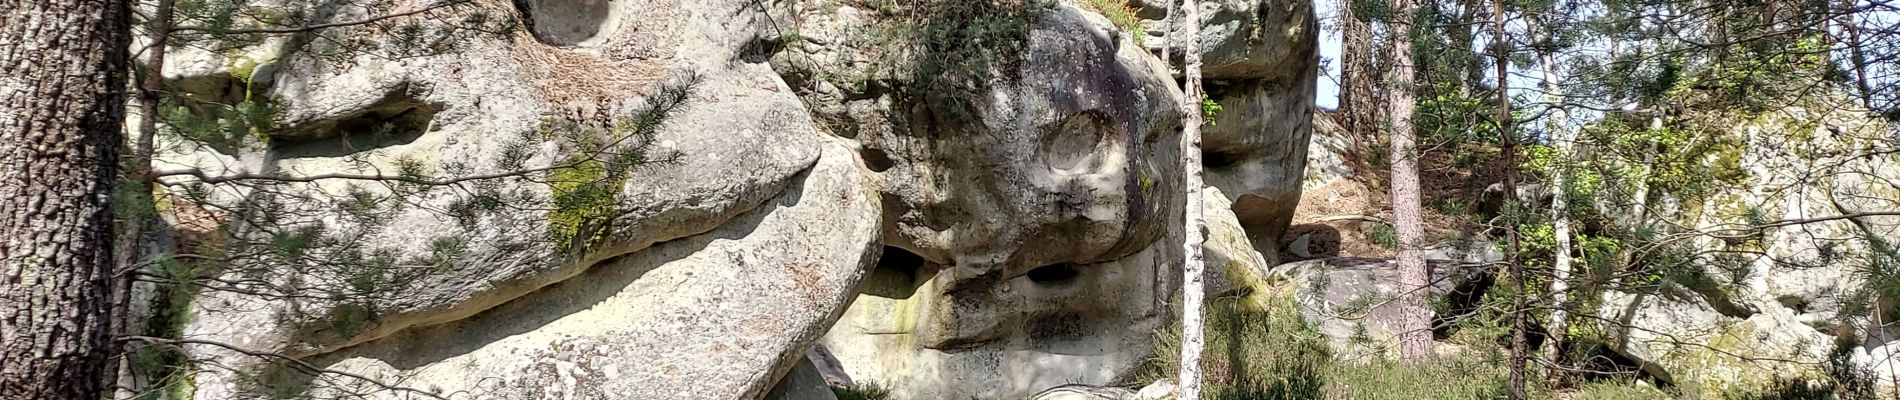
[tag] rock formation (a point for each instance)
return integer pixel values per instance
(1752, 308)
(730, 199)
(1789, 301)
(677, 199)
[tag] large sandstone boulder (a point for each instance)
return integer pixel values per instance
(1068, 159)
(676, 280)
(1068, 324)
(1243, 38)
(1778, 303)
(1257, 56)
(1259, 59)
(715, 315)
(915, 334)
(1053, 275)
(1256, 149)
(805, 382)
(1019, 205)
(1680, 338)
(1354, 301)
(1233, 265)
(1021, 219)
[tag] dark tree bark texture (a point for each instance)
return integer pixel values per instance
(62, 106)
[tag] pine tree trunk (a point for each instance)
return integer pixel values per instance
(1415, 315)
(133, 225)
(1473, 68)
(1856, 57)
(1356, 75)
(1561, 139)
(1508, 169)
(1193, 284)
(62, 99)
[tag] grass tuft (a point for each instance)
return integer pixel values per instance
(1123, 15)
(866, 391)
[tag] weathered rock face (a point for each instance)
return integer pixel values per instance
(767, 225)
(1057, 325)
(1352, 301)
(707, 316)
(1050, 276)
(1065, 324)
(995, 288)
(1244, 38)
(1233, 264)
(1256, 150)
(805, 382)
(1019, 222)
(1799, 293)
(1070, 160)
(1258, 58)
(1680, 338)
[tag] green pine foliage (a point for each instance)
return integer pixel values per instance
(585, 195)
(862, 391)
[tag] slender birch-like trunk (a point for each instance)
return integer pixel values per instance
(1561, 139)
(1193, 283)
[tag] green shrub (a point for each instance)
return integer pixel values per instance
(1122, 15)
(1272, 353)
(1447, 378)
(1250, 353)
(866, 391)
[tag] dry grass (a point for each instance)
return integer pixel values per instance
(1122, 15)
(625, 63)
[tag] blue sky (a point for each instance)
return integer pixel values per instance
(1328, 96)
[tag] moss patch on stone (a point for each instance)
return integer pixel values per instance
(584, 199)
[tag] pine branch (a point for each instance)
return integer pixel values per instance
(297, 364)
(318, 27)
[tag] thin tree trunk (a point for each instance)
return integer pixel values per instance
(1192, 282)
(1415, 316)
(1473, 69)
(1639, 211)
(1560, 140)
(132, 231)
(1356, 75)
(1857, 57)
(62, 99)
(1508, 166)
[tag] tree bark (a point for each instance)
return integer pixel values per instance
(1857, 57)
(138, 180)
(1473, 69)
(1356, 75)
(1415, 315)
(62, 99)
(1193, 285)
(1560, 140)
(1508, 169)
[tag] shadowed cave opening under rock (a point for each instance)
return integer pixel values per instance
(569, 22)
(395, 121)
(1054, 275)
(897, 275)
